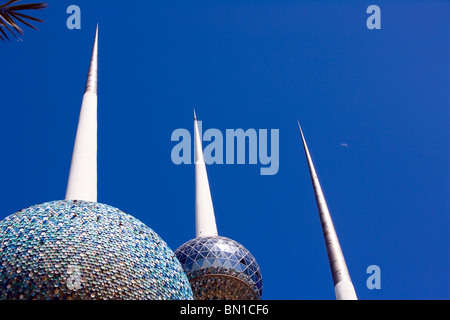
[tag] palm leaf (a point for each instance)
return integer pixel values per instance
(9, 16)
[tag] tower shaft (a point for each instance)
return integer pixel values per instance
(205, 221)
(341, 278)
(82, 183)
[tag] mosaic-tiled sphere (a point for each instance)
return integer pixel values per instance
(220, 268)
(85, 250)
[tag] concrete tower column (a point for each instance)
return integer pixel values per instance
(343, 285)
(205, 221)
(82, 183)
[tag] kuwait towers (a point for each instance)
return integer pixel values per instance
(80, 249)
(217, 267)
(341, 278)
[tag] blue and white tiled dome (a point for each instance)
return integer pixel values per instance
(220, 268)
(85, 250)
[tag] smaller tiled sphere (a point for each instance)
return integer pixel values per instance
(219, 268)
(85, 250)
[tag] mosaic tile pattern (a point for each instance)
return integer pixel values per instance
(220, 268)
(85, 250)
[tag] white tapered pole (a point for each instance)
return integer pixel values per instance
(343, 285)
(205, 221)
(82, 183)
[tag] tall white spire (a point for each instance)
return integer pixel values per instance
(341, 278)
(82, 184)
(205, 221)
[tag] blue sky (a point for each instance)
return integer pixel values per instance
(261, 65)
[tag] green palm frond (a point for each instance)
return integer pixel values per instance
(9, 15)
